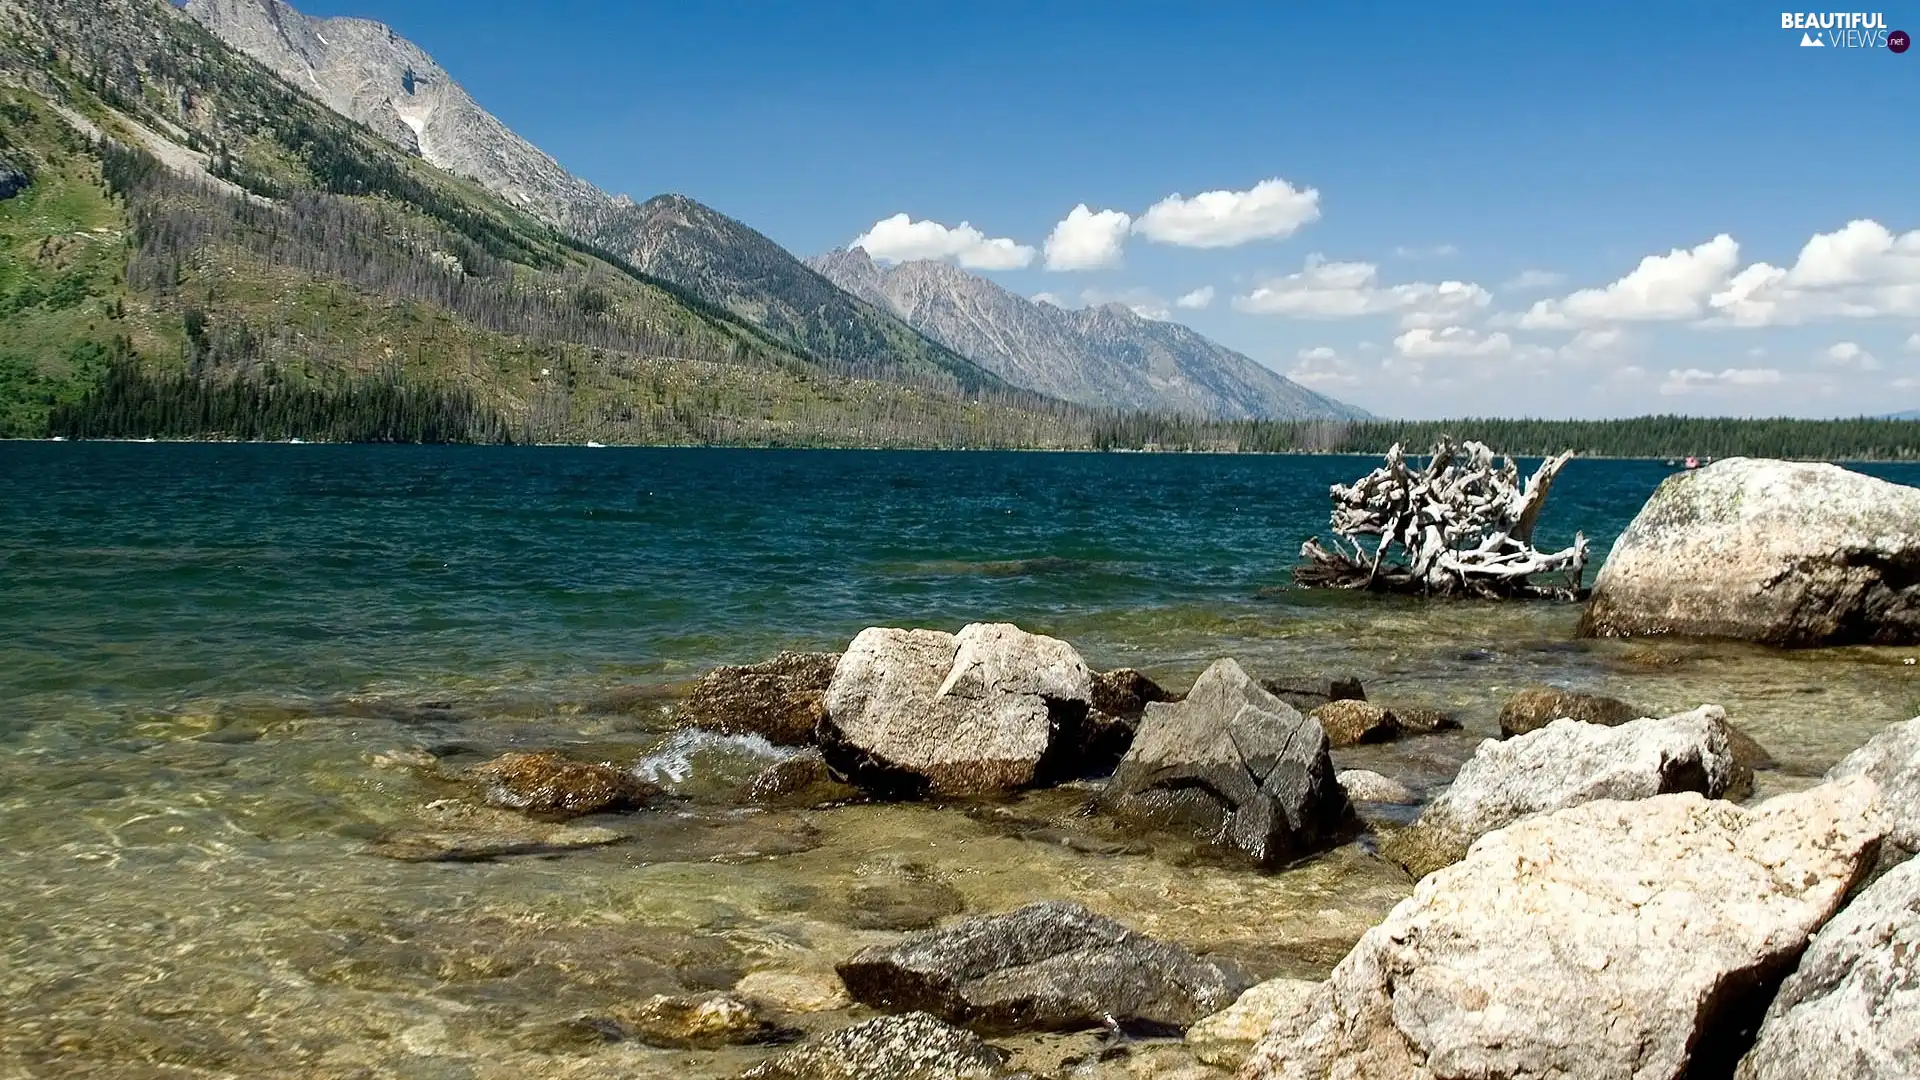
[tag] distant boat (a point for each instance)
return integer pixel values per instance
(296, 442)
(59, 438)
(1673, 463)
(595, 445)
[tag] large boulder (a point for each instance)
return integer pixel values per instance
(1234, 765)
(1892, 760)
(992, 708)
(1565, 764)
(1777, 552)
(1613, 939)
(1534, 707)
(1045, 967)
(1852, 1009)
(910, 1047)
(780, 700)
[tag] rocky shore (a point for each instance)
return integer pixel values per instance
(1597, 893)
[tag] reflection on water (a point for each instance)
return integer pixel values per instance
(228, 668)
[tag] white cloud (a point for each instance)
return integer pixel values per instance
(1048, 298)
(1269, 210)
(1913, 343)
(1533, 281)
(1344, 290)
(1451, 341)
(1197, 299)
(1438, 251)
(1847, 354)
(902, 239)
(1674, 286)
(1862, 270)
(1692, 379)
(1087, 240)
(1324, 367)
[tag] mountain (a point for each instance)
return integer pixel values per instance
(191, 246)
(1105, 355)
(365, 71)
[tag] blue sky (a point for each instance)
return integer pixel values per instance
(1444, 143)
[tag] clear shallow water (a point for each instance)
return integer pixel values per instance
(210, 654)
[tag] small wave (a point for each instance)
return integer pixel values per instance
(697, 759)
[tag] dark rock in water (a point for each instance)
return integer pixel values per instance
(1424, 719)
(1127, 693)
(1534, 707)
(804, 779)
(904, 896)
(1783, 553)
(453, 831)
(990, 709)
(1119, 698)
(1044, 967)
(781, 700)
(548, 784)
(1236, 766)
(910, 1047)
(1351, 722)
(689, 1022)
(1852, 1009)
(1308, 692)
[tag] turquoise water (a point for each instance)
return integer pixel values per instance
(218, 662)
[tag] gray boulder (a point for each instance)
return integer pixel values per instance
(780, 700)
(1565, 764)
(1892, 760)
(1613, 939)
(1234, 765)
(1852, 1009)
(992, 708)
(1044, 967)
(1778, 552)
(910, 1047)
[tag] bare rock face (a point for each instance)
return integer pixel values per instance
(780, 700)
(1852, 1009)
(1892, 760)
(1613, 939)
(1234, 765)
(1534, 707)
(1777, 552)
(1044, 967)
(549, 785)
(1565, 764)
(914, 1046)
(985, 710)
(1350, 723)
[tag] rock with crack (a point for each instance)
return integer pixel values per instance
(780, 700)
(1048, 966)
(1233, 765)
(992, 708)
(1782, 553)
(1852, 1008)
(1565, 764)
(914, 1046)
(1614, 939)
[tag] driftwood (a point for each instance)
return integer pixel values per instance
(1462, 526)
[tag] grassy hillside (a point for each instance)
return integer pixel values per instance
(195, 231)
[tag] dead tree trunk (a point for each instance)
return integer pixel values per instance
(1461, 526)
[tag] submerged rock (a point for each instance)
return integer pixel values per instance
(1613, 939)
(1234, 765)
(804, 779)
(1307, 692)
(1852, 1008)
(1424, 719)
(1045, 967)
(794, 991)
(910, 1047)
(1783, 553)
(1565, 764)
(449, 830)
(1349, 722)
(1891, 759)
(548, 784)
(900, 895)
(1534, 707)
(1227, 1038)
(780, 700)
(992, 708)
(694, 1022)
